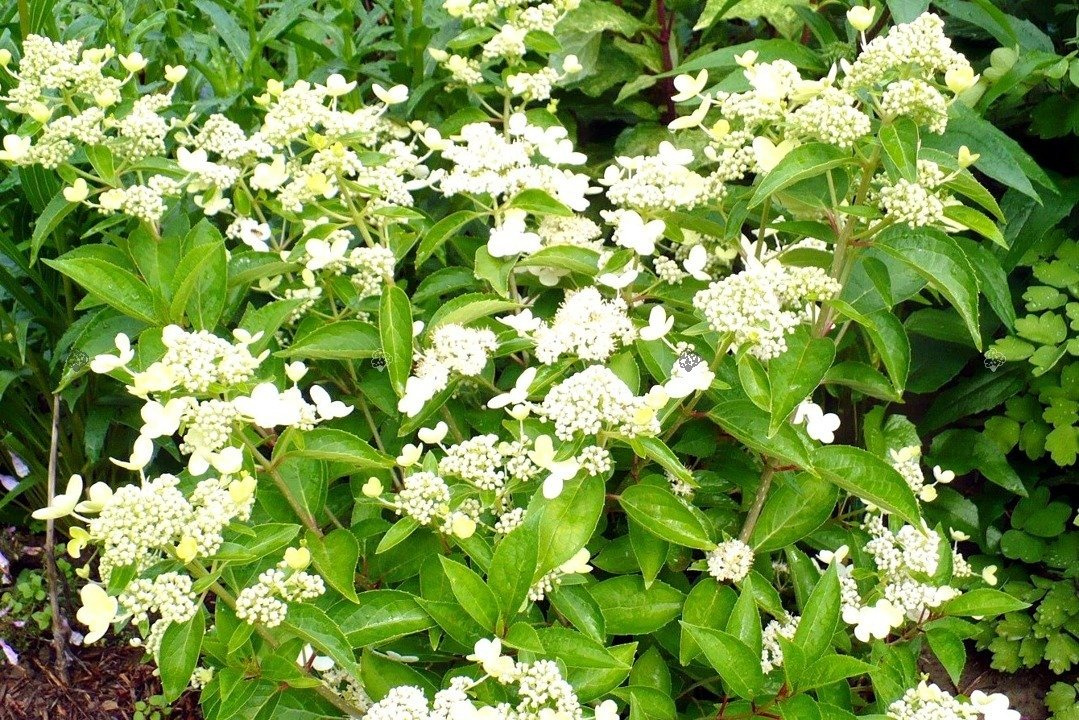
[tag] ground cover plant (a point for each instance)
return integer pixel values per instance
(537, 360)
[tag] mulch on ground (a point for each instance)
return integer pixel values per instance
(105, 684)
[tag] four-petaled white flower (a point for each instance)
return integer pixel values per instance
(689, 86)
(607, 710)
(659, 324)
(517, 394)
(488, 653)
(820, 426)
(308, 658)
(873, 621)
(395, 95)
(99, 496)
(106, 363)
(636, 234)
(696, 262)
(63, 504)
(560, 471)
(994, 706)
(327, 408)
(512, 237)
(435, 435)
(97, 612)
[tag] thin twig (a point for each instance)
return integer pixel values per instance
(758, 501)
(59, 645)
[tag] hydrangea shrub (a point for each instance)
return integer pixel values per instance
(439, 417)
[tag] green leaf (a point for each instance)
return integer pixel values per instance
(868, 477)
(629, 608)
(749, 425)
(949, 649)
(107, 281)
(568, 257)
(983, 601)
(576, 604)
(650, 551)
(662, 513)
(831, 669)
(820, 616)
(181, 645)
(380, 675)
(472, 593)
(339, 446)
(798, 505)
(796, 373)
(653, 448)
(1002, 158)
(976, 221)
(202, 278)
(739, 666)
(939, 259)
(899, 139)
(265, 540)
(341, 340)
(395, 330)
(744, 622)
(397, 534)
(441, 231)
(47, 221)
(513, 569)
(224, 24)
(538, 202)
(463, 309)
(315, 627)
(382, 616)
(861, 378)
(567, 522)
(801, 163)
(888, 337)
(709, 605)
(335, 556)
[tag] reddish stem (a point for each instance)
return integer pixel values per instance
(665, 20)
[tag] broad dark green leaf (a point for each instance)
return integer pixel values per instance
(341, 340)
(335, 556)
(395, 330)
(939, 259)
(796, 506)
(662, 513)
(181, 644)
(868, 477)
(739, 666)
(801, 163)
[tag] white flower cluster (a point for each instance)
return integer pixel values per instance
(663, 181)
(266, 602)
(537, 692)
(904, 561)
(771, 650)
(764, 303)
(510, 22)
(730, 561)
(596, 399)
(453, 349)
(586, 325)
(140, 524)
(168, 595)
(202, 363)
(919, 46)
(929, 702)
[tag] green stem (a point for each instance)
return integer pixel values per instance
(758, 501)
(298, 507)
